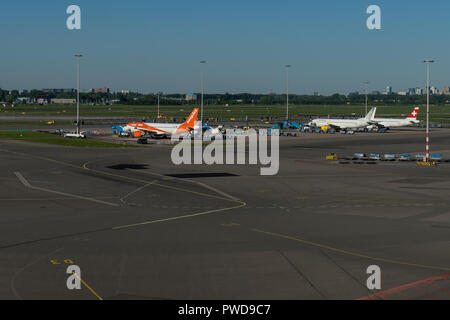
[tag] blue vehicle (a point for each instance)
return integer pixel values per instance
(436, 157)
(420, 157)
(405, 157)
(118, 131)
(359, 156)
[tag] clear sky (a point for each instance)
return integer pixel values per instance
(150, 45)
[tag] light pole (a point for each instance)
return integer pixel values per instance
(287, 91)
(158, 105)
(78, 56)
(365, 90)
(427, 147)
(202, 80)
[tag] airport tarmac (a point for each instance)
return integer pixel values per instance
(140, 227)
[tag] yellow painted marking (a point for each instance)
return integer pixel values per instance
(66, 261)
(42, 158)
(426, 164)
(230, 225)
(179, 217)
(50, 199)
(322, 246)
(87, 286)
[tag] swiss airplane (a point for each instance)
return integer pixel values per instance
(164, 129)
(345, 123)
(395, 123)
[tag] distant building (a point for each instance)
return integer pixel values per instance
(434, 90)
(59, 90)
(42, 101)
(419, 91)
(191, 96)
(402, 93)
(63, 101)
(376, 92)
(389, 90)
(23, 100)
(411, 91)
(100, 90)
(125, 92)
(446, 90)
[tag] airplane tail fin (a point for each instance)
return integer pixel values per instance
(189, 124)
(414, 114)
(371, 115)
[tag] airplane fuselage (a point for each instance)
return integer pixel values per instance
(164, 129)
(395, 123)
(340, 123)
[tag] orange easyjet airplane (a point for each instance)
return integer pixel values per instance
(164, 129)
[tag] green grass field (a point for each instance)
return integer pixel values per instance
(34, 123)
(47, 138)
(52, 112)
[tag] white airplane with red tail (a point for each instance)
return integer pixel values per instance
(395, 123)
(164, 129)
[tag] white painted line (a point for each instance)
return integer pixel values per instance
(135, 191)
(23, 180)
(226, 195)
(28, 185)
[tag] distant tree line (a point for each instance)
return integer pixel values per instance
(134, 98)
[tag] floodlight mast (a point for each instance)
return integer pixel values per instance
(202, 89)
(78, 56)
(427, 140)
(287, 91)
(365, 92)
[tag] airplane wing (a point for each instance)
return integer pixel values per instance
(375, 123)
(334, 126)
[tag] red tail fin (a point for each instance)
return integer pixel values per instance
(414, 114)
(189, 124)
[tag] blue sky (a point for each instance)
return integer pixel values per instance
(149, 45)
